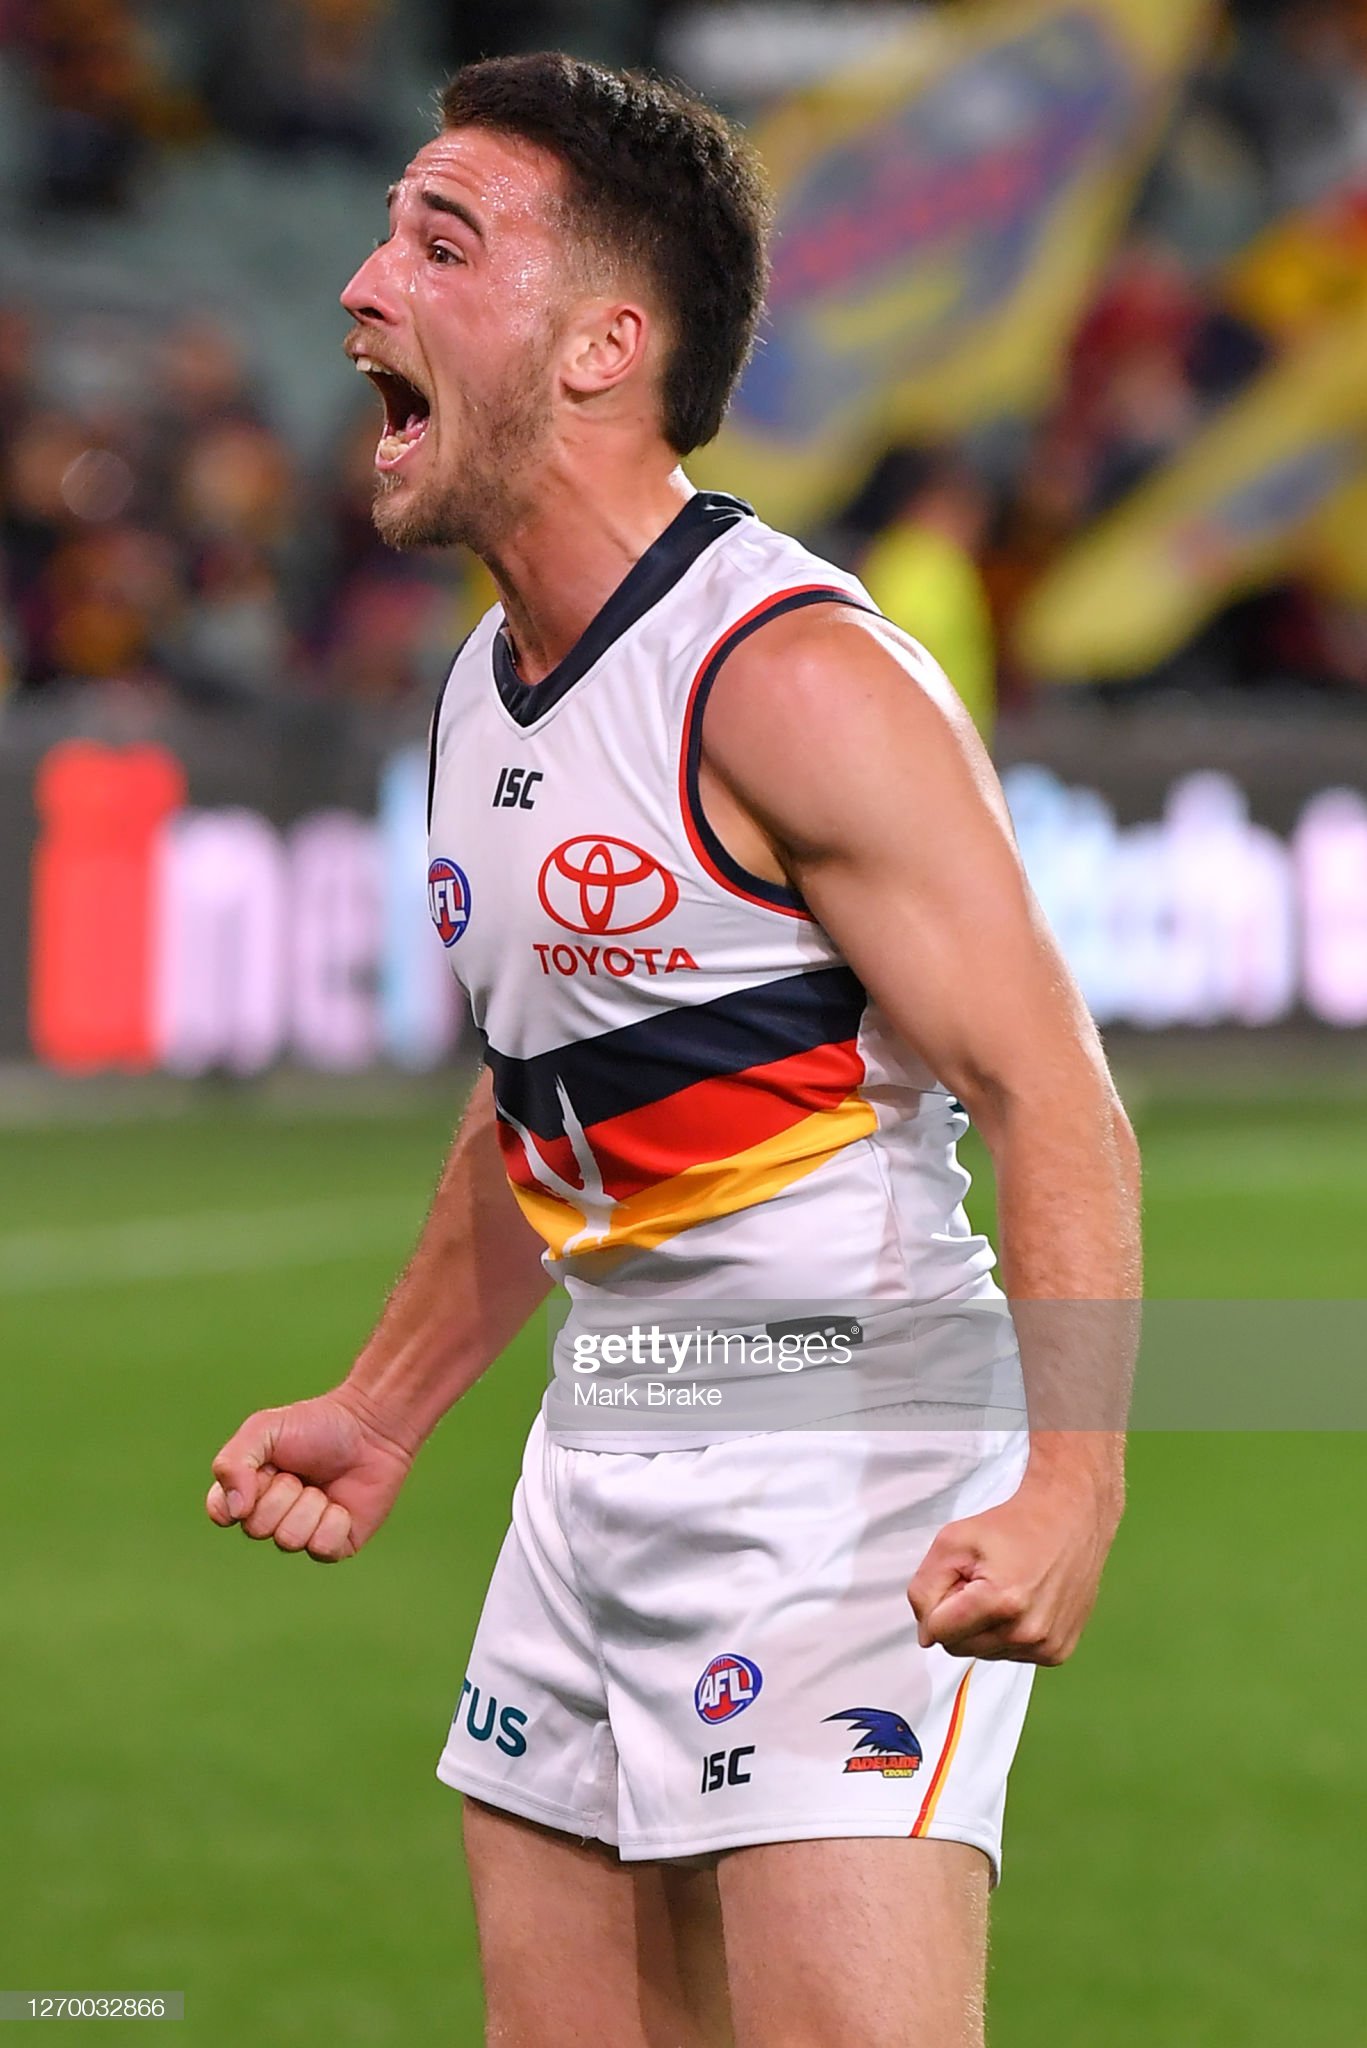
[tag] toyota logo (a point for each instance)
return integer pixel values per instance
(600, 885)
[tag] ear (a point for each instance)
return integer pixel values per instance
(607, 342)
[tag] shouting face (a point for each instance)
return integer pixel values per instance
(457, 315)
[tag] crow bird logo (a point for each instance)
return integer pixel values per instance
(885, 1733)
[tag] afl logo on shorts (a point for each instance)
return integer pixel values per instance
(448, 899)
(729, 1685)
(604, 886)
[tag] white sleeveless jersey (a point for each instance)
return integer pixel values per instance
(696, 1098)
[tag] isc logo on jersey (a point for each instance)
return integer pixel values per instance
(604, 887)
(728, 1686)
(448, 899)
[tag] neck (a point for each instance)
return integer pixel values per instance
(557, 567)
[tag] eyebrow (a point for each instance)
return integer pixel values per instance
(437, 202)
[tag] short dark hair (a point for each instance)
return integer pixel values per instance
(658, 180)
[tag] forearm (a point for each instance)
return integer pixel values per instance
(1068, 1211)
(473, 1281)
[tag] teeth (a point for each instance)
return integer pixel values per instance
(365, 364)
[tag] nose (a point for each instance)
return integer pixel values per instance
(370, 295)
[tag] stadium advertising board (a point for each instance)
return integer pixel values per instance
(162, 935)
(146, 930)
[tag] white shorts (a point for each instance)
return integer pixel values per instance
(692, 1650)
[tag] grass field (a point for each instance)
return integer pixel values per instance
(217, 1762)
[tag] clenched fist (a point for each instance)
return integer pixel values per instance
(318, 1476)
(1018, 1581)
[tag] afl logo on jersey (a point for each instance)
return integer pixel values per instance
(729, 1685)
(605, 886)
(448, 899)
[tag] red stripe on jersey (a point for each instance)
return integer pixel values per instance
(713, 1120)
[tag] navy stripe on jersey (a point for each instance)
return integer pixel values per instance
(644, 1062)
(706, 515)
(758, 886)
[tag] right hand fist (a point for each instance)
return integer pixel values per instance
(319, 1476)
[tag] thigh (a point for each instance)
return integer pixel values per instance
(577, 1947)
(856, 1944)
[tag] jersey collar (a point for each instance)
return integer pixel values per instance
(706, 515)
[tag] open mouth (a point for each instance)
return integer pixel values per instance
(407, 413)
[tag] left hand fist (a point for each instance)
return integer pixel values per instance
(1017, 1581)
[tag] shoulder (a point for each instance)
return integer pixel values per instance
(830, 666)
(479, 635)
(757, 569)
(833, 714)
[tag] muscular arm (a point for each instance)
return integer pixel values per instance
(834, 748)
(321, 1475)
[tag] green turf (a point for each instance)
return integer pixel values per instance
(217, 1762)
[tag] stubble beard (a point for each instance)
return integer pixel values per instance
(492, 490)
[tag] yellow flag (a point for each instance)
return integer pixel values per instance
(941, 215)
(1248, 496)
(1335, 554)
(1308, 267)
(1305, 267)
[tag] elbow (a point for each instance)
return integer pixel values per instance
(1082, 1099)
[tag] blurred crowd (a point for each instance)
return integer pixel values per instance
(951, 541)
(111, 80)
(160, 526)
(157, 528)
(1251, 227)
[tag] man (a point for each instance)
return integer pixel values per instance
(731, 888)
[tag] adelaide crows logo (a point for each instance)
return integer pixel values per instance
(887, 1743)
